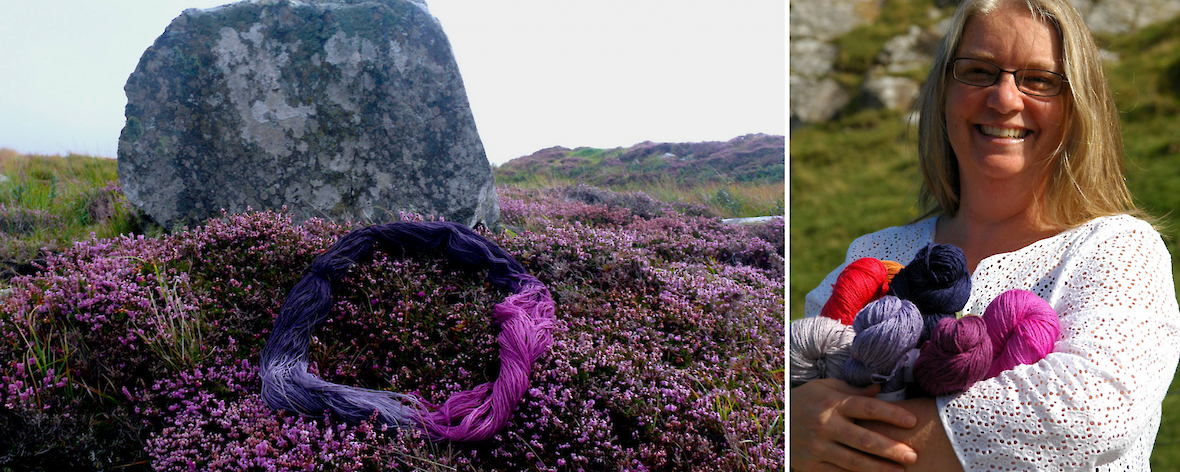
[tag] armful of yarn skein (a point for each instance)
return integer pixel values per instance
(1017, 328)
(820, 345)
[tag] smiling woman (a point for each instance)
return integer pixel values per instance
(1003, 137)
(1021, 160)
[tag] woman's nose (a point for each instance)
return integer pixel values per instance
(1005, 97)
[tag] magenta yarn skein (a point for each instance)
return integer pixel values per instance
(1023, 329)
(886, 330)
(958, 354)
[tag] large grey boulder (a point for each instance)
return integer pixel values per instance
(886, 91)
(347, 110)
(812, 57)
(815, 97)
(910, 51)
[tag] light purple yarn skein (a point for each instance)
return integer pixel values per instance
(886, 330)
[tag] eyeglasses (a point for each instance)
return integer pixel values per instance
(1035, 82)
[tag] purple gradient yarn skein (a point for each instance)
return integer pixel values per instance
(526, 319)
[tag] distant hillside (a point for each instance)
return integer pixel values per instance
(753, 158)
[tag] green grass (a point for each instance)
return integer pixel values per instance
(47, 202)
(848, 178)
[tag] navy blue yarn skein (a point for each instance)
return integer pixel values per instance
(936, 281)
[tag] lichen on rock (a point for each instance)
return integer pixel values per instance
(347, 110)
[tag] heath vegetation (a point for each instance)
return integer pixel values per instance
(122, 347)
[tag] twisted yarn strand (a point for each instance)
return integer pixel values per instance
(526, 319)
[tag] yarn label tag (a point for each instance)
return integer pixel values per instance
(892, 396)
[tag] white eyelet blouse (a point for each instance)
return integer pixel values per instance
(1094, 402)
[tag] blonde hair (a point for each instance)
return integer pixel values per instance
(1085, 178)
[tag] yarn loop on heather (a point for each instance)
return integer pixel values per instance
(1023, 329)
(886, 330)
(526, 319)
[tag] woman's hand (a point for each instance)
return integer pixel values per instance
(824, 435)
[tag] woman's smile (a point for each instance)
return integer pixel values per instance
(998, 132)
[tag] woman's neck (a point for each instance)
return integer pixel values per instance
(984, 227)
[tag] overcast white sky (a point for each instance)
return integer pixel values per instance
(538, 73)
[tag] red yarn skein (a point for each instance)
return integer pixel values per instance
(861, 282)
(1023, 329)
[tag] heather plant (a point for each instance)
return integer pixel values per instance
(141, 353)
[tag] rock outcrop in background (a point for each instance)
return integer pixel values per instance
(348, 109)
(816, 25)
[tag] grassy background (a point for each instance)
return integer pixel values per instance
(859, 174)
(47, 202)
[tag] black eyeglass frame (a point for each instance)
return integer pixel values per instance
(1019, 78)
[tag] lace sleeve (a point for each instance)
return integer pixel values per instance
(1099, 392)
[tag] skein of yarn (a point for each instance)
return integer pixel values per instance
(819, 349)
(936, 281)
(526, 319)
(958, 355)
(861, 282)
(1023, 329)
(886, 330)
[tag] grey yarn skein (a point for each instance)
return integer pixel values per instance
(819, 349)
